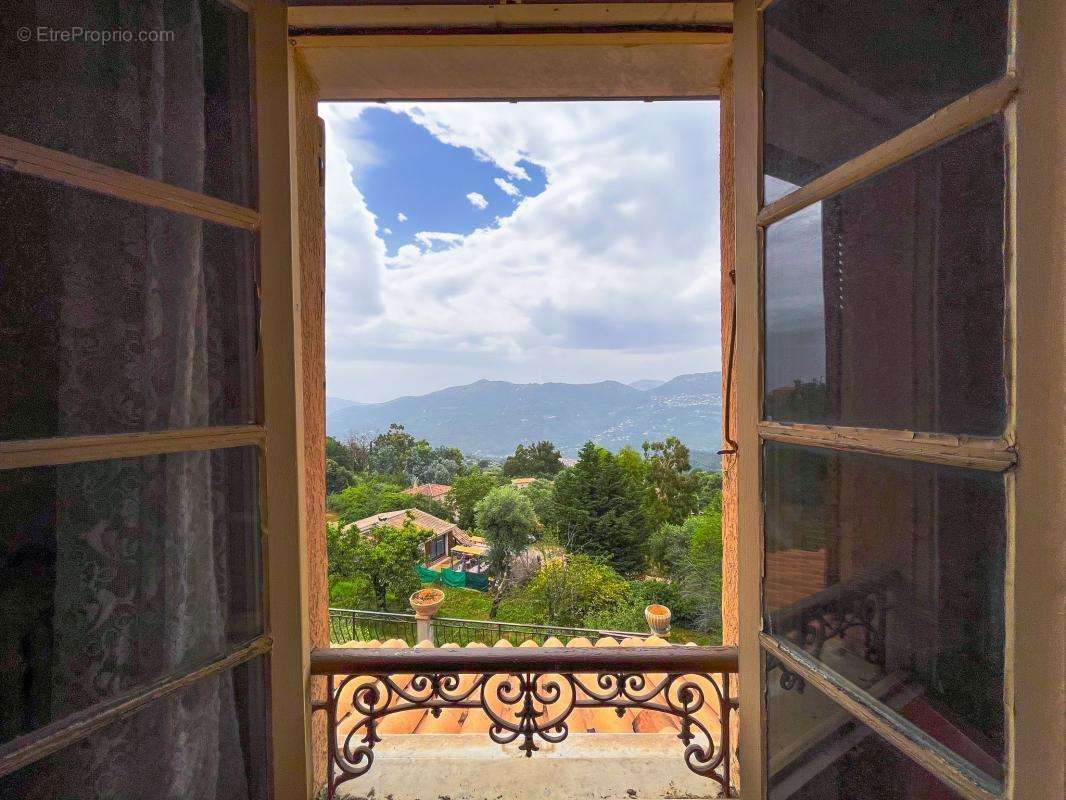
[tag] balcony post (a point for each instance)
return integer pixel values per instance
(425, 609)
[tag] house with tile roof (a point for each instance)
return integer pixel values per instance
(442, 534)
(434, 491)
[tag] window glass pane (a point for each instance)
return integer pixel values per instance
(817, 751)
(158, 89)
(116, 573)
(840, 77)
(117, 318)
(209, 741)
(884, 303)
(891, 573)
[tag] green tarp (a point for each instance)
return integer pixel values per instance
(428, 575)
(450, 577)
(453, 578)
(476, 581)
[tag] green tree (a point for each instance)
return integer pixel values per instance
(633, 465)
(384, 559)
(467, 491)
(426, 464)
(540, 460)
(541, 494)
(600, 512)
(671, 486)
(708, 491)
(375, 494)
(690, 557)
(390, 451)
(340, 454)
(567, 592)
(506, 519)
(338, 477)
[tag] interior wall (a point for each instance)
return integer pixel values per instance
(309, 157)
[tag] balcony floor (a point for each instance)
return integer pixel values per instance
(586, 766)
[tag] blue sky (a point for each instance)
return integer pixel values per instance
(526, 242)
(418, 183)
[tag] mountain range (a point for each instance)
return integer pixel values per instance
(488, 418)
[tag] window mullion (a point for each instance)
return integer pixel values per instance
(985, 453)
(74, 449)
(63, 732)
(906, 737)
(53, 165)
(948, 121)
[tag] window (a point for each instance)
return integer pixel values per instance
(134, 638)
(886, 422)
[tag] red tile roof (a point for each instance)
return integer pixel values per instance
(420, 518)
(434, 490)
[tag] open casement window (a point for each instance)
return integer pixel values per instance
(878, 234)
(135, 422)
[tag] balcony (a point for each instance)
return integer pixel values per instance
(645, 717)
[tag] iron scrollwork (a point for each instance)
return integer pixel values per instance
(528, 707)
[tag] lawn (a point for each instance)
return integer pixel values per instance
(464, 604)
(468, 604)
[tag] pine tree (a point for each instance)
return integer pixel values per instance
(600, 511)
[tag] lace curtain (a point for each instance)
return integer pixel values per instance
(140, 544)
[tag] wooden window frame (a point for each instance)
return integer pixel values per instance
(1034, 322)
(277, 436)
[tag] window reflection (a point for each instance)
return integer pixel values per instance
(885, 303)
(817, 751)
(841, 77)
(891, 573)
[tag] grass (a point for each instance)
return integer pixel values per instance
(464, 604)
(468, 604)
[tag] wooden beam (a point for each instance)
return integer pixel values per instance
(516, 38)
(53, 165)
(945, 123)
(902, 734)
(74, 449)
(991, 454)
(68, 730)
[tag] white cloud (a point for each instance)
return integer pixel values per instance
(388, 231)
(401, 217)
(428, 238)
(478, 200)
(508, 188)
(611, 272)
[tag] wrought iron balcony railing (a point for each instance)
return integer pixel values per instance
(347, 624)
(528, 694)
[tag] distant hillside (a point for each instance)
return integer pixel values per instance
(646, 384)
(337, 403)
(489, 418)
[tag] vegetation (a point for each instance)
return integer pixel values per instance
(600, 511)
(540, 460)
(375, 494)
(506, 519)
(380, 564)
(467, 491)
(671, 486)
(586, 546)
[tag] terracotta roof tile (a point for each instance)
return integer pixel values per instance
(420, 518)
(433, 490)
